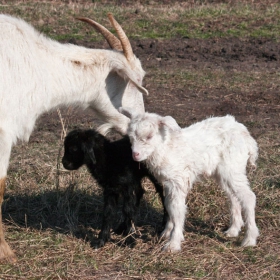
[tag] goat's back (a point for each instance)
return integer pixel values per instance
(204, 145)
(119, 156)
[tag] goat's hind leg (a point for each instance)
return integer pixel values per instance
(236, 221)
(243, 200)
(5, 250)
(5, 149)
(248, 202)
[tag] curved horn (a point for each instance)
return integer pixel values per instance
(112, 40)
(127, 49)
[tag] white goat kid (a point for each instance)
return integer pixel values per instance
(217, 147)
(38, 74)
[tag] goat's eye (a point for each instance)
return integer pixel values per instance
(73, 149)
(149, 137)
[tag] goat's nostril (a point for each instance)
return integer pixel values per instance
(135, 155)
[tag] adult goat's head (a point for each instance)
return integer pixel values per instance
(124, 84)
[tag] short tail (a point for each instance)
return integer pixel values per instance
(253, 151)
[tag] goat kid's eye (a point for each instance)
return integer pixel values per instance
(149, 137)
(73, 149)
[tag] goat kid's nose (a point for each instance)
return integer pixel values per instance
(135, 155)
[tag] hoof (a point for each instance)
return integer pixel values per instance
(165, 234)
(103, 237)
(172, 248)
(249, 242)
(6, 254)
(231, 232)
(120, 229)
(100, 243)
(9, 259)
(251, 238)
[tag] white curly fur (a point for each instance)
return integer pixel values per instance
(217, 147)
(38, 74)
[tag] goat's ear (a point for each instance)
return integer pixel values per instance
(128, 112)
(89, 152)
(169, 122)
(126, 72)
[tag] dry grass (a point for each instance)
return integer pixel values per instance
(52, 216)
(53, 225)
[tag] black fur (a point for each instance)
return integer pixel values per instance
(111, 164)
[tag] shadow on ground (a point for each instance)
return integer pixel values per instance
(73, 211)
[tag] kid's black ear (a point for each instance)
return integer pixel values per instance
(89, 152)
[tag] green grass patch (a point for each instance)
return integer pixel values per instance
(153, 21)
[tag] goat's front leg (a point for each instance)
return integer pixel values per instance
(110, 204)
(176, 208)
(132, 197)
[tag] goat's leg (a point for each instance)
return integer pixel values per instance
(5, 150)
(159, 189)
(247, 198)
(236, 221)
(168, 229)
(5, 250)
(176, 208)
(132, 197)
(110, 204)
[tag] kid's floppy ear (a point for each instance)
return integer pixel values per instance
(89, 153)
(169, 122)
(128, 112)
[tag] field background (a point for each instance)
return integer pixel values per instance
(202, 58)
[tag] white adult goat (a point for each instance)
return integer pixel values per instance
(218, 147)
(38, 74)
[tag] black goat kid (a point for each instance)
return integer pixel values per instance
(111, 164)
